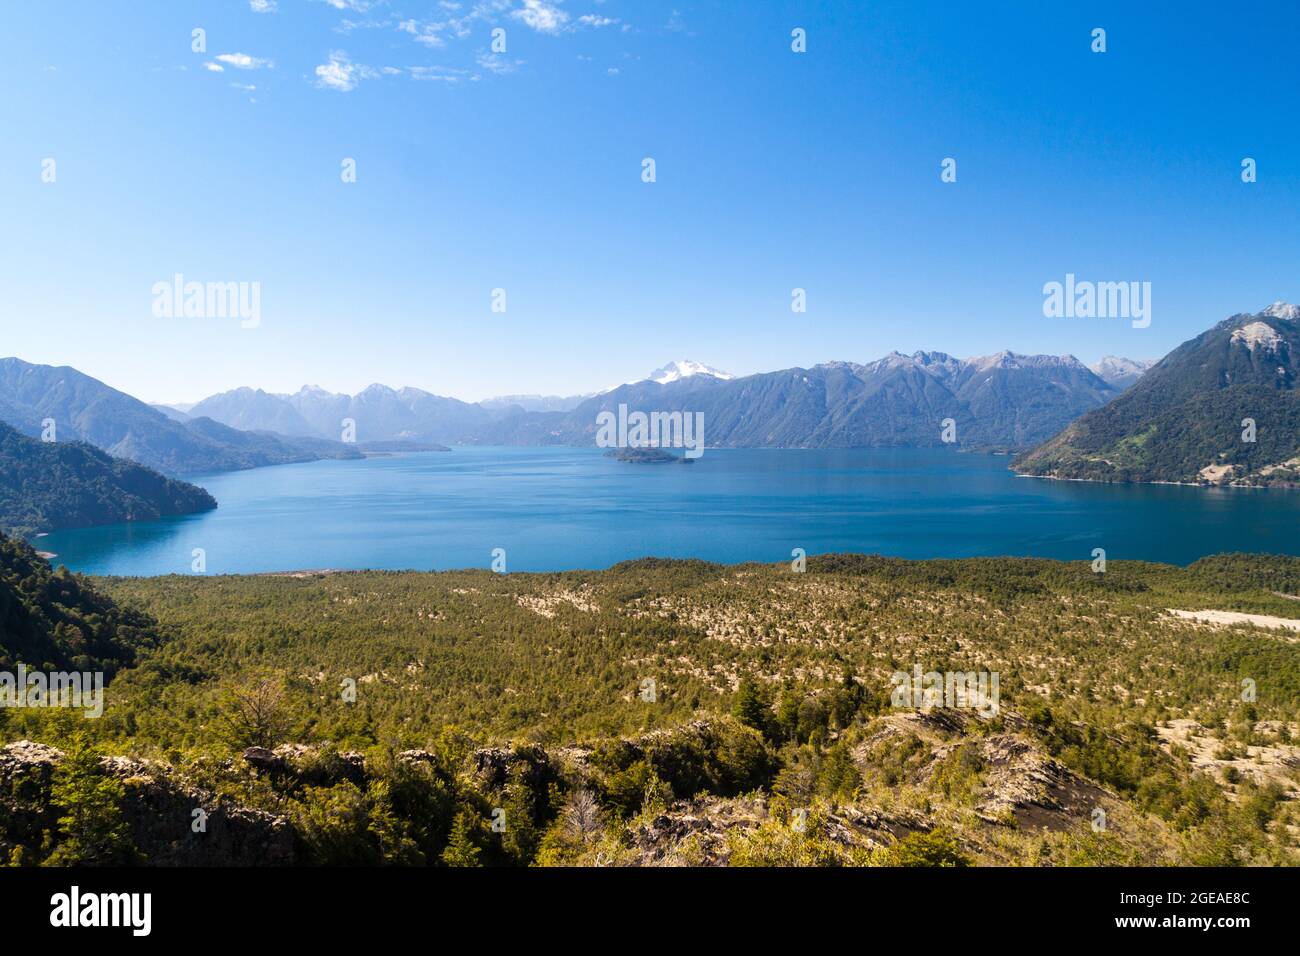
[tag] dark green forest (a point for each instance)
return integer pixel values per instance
(45, 486)
(1189, 413)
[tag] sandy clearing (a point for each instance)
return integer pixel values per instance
(1237, 617)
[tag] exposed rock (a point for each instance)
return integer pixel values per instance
(266, 761)
(1039, 791)
(24, 757)
(418, 757)
(1017, 779)
(309, 765)
(492, 766)
(159, 808)
(708, 821)
(322, 766)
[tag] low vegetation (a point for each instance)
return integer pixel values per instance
(662, 713)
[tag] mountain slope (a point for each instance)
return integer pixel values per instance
(896, 401)
(1183, 420)
(1120, 372)
(253, 409)
(53, 620)
(46, 485)
(85, 409)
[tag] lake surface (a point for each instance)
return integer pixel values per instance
(564, 508)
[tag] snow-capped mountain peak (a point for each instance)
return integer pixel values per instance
(684, 368)
(1117, 365)
(1283, 310)
(1120, 372)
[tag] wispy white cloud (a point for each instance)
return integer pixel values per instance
(442, 74)
(214, 67)
(262, 6)
(430, 34)
(456, 24)
(541, 16)
(242, 61)
(496, 63)
(340, 73)
(453, 20)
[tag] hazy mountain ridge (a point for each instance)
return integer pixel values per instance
(86, 409)
(1186, 419)
(534, 403)
(1004, 399)
(379, 412)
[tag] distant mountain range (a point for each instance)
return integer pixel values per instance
(672, 372)
(900, 400)
(1221, 408)
(45, 486)
(1120, 372)
(85, 409)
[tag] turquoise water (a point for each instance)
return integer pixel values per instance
(563, 508)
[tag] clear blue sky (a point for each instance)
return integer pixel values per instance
(775, 170)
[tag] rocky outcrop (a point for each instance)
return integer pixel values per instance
(706, 823)
(307, 765)
(172, 823)
(493, 766)
(1039, 791)
(1017, 779)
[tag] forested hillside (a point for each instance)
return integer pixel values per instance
(54, 620)
(1222, 408)
(45, 486)
(668, 712)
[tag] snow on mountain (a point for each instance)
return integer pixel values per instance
(1283, 310)
(1120, 372)
(684, 368)
(1007, 359)
(1258, 335)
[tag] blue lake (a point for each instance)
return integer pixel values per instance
(564, 508)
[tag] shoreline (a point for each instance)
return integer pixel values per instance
(304, 573)
(1181, 484)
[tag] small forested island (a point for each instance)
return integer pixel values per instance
(648, 456)
(661, 713)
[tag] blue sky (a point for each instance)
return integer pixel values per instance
(522, 171)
